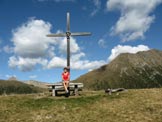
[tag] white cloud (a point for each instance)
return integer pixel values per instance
(78, 56)
(50, 52)
(126, 49)
(26, 64)
(97, 4)
(31, 45)
(30, 40)
(136, 17)
(74, 48)
(57, 62)
(86, 64)
(102, 43)
(33, 76)
(8, 49)
(76, 62)
(32, 48)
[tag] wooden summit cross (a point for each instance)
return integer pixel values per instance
(68, 34)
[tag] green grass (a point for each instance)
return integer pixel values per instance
(143, 105)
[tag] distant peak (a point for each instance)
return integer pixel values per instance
(13, 78)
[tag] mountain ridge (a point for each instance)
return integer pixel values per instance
(140, 70)
(17, 87)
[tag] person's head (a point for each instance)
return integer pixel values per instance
(65, 69)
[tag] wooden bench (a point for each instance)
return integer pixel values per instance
(75, 87)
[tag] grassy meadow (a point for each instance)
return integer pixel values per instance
(144, 105)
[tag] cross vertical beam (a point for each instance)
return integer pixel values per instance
(68, 39)
(68, 52)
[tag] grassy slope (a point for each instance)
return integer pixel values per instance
(17, 87)
(132, 106)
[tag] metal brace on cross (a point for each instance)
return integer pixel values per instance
(68, 34)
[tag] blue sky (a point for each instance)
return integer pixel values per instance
(117, 27)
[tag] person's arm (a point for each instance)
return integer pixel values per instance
(62, 77)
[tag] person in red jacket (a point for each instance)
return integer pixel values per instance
(66, 79)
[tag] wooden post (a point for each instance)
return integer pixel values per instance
(53, 91)
(68, 51)
(76, 90)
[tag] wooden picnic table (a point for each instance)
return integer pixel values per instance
(75, 87)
